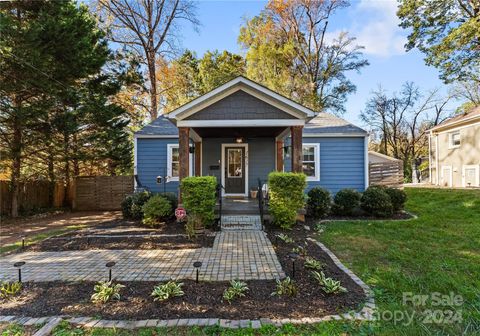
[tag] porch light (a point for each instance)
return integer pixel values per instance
(287, 150)
(239, 140)
(19, 265)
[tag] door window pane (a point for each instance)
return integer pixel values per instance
(234, 162)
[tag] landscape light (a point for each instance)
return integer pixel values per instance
(110, 264)
(19, 265)
(293, 256)
(197, 265)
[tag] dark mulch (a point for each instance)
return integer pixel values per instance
(121, 243)
(201, 300)
(362, 216)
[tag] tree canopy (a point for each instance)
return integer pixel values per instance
(448, 32)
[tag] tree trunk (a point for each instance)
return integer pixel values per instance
(51, 175)
(66, 153)
(153, 84)
(16, 165)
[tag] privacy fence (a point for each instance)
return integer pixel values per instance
(32, 195)
(101, 192)
(386, 173)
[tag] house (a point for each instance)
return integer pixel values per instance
(454, 151)
(240, 132)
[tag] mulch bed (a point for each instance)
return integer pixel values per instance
(361, 216)
(201, 300)
(121, 243)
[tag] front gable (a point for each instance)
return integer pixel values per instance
(240, 105)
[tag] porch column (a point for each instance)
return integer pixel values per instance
(198, 158)
(279, 146)
(183, 155)
(297, 149)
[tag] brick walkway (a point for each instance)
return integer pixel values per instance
(242, 255)
(241, 222)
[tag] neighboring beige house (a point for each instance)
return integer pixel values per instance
(455, 151)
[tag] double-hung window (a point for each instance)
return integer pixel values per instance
(173, 162)
(311, 161)
(454, 139)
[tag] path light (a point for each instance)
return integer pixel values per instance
(19, 265)
(110, 264)
(23, 242)
(197, 265)
(293, 256)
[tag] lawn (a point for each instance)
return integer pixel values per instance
(437, 252)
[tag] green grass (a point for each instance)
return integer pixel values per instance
(39, 237)
(438, 252)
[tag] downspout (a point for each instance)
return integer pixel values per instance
(134, 161)
(367, 177)
(437, 168)
(430, 157)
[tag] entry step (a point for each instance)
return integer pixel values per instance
(241, 223)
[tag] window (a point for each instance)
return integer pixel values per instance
(173, 162)
(311, 161)
(235, 162)
(455, 139)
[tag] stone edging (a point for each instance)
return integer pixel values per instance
(365, 314)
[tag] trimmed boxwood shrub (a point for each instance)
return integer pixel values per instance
(132, 205)
(319, 202)
(286, 197)
(397, 197)
(198, 197)
(157, 209)
(375, 201)
(345, 201)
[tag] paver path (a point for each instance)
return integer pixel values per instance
(242, 255)
(241, 222)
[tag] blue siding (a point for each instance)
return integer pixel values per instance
(342, 163)
(152, 162)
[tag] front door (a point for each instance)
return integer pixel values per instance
(234, 169)
(446, 176)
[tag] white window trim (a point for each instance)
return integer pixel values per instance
(450, 139)
(315, 178)
(169, 162)
(477, 177)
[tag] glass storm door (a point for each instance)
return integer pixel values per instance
(234, 170)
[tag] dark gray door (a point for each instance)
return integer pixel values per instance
(234, 170)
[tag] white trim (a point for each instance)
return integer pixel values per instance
(444, 128)
(135, 154)
(450, 139)
(194, 136)
(336, 135)
(224, 145)
(437, 168)
(447, 130)
(169, 162)
(210, 98)
(430, 157)
(241, 123)
(316, 145)
(283, 135)
(154, 136)
(477, 176)
(451, 175)
(367, 162)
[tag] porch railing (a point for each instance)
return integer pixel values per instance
(219, 199)
(261, 200)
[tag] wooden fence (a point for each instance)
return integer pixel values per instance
(386, 173)
(32, 195)
(101, 192)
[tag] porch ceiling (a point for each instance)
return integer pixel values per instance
(246, 132)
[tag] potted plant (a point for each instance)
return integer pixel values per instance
(253, 192)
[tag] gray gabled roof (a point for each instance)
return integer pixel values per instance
(160, 126)
(329, 123)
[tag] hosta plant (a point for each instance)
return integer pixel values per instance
(105, 291)
(300, 250)
(328, 285)
(285, 287)
(237, 289)
(285, 238)
(167, 290)
(313, 263)
(9, 289)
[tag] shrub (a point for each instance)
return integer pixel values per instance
(285, 287)
(132, 205)
(105, 291)
(319, 202)
(376, 201)
(172, 198)
(10, 289)
(157, 209)
(198, 197)
(345, 201)
(286, 197)
(328, 285)
(193, 222)
(237, 289)
(167, 290)
(397, 197)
